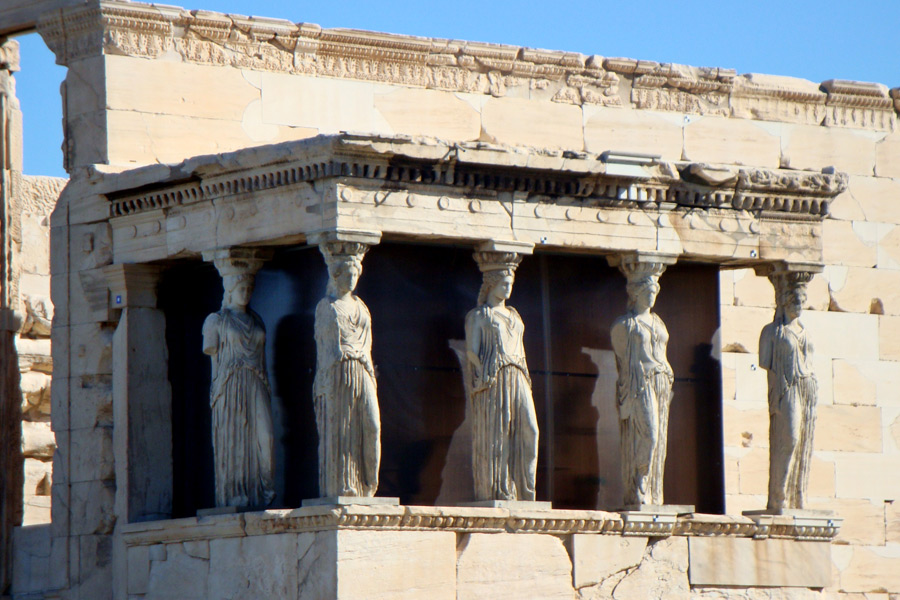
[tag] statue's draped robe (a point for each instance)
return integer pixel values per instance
(241, 413)
(644, 394)
(788, 354)
(504, 424)
(346, 399)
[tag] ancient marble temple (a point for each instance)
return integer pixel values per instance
(674, 357)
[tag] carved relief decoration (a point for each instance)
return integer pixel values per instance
(490, 520)
(472, 166)
(281, 46)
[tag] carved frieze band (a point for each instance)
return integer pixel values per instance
(460, 66)
(468, 520)
(801, 193)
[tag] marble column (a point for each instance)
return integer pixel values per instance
(240, 395)
(786, 352)
(498, 387)
(345, 392)
(645, 378)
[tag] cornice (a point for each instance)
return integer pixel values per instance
(148, 31)
(472, 520)
(477, 168)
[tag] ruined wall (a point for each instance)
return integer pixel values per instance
(243, 82)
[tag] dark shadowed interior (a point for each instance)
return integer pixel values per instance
(419, 296)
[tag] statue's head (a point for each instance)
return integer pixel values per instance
(238, 289)
(344, 261)
(238, 268)
(642, 293)
(498, 275)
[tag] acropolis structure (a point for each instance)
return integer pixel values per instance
(683, 289)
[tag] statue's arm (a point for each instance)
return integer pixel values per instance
(766, 340)
(211, 334)
(473, 342)
(618, 337)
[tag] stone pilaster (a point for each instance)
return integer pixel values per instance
(11, 475)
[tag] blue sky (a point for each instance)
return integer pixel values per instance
(815, 40)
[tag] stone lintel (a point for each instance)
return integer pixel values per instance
(506, 246)
(767, 269)
(238, 253)
(132, 285)
(360, 236)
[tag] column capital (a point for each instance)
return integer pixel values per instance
(776, 269)
(238, 259)
(359, 236)
(506, 246)
(638, 265)
(132, 285)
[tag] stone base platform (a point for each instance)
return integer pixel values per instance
(513, 504)
(387, 551)
(661, 509)
(352, 501)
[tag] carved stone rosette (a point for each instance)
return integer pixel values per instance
(345, 392)
(240, 395)
(644, 386)
(498, 388)
(786, 352)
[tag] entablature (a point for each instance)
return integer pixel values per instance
(420, 188)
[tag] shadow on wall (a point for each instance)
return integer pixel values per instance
(418, 297)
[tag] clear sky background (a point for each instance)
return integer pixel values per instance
(811, 39)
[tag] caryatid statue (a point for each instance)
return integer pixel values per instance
(240, 396)
(344, 391)
(644, 386)
(786, 352)
(498, 388)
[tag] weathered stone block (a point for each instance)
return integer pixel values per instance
(138, 569)
(872, 569)
(38, 440)
(859, 290)
(746, 427)
(376, 565)
(31, 559)
(429, 112)
(889, 338)
(887, 156)
(91, 349)
(140, 85)
(746, 562)
(814, 147)
(863, 476)
(317, 567)
(642, 131)
(532, 123)
(741, 327)
(843, 335)
(662, 574)
(855, 383)
(513, 566)
(877, 197)
(864, 520)
(596, 557)
(91, 508)
(850, 243)
(735, 141)
(252, 567)
(179, 571)
(848, 428)
(91, 454)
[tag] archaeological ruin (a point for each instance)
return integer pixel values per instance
(334, 314)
